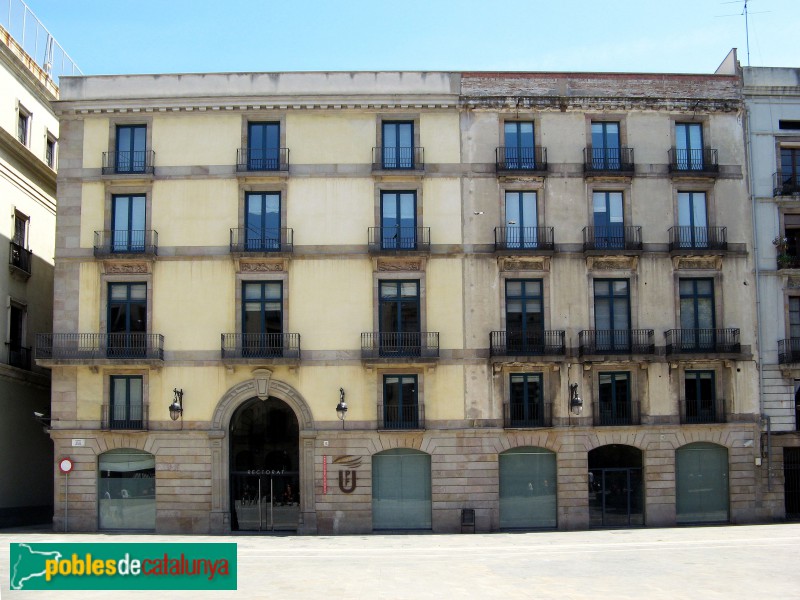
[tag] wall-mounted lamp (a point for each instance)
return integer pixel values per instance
(176, 408)
(575, 401)
(341, 408)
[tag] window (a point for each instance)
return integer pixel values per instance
(399, 220)
(262, 319)
(612, 314)
(791, 231)
(609, 229)
(521, 220)
(606, 153)
(527, 488)
(790, 171)
(794, 317)
(689, 146)
(50, 152)
(397, 148)
(401, 489)
(519, 146)
(23, 126)
(127, 319)
(127, 490)
(524, 316)
(700, 395)
(263, 221)
(131, 151)
(697, 314)
(18, 355)
(400, 402)
(128, 223)
(692, 220)
(399, 318)
(126, 409)
(614, 399)
(263, 146)
(20, 256)
(525, 402)
(789, 125)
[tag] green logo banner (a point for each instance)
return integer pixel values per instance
(123, 566)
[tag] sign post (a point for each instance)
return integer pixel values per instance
(65, 466)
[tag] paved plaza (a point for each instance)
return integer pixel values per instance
(706, 562)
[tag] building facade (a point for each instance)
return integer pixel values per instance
(772, 97)
(28, 145)
(533, 293)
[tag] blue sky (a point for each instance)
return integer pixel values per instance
(179, 36)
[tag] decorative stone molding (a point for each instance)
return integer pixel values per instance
(612, 263)
(244, 391)
(389, 264)
(262, 377)
(261, 266)
(696, 262)
(118, 268)
(541, 263)
(793, 283)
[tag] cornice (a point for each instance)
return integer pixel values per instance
(35, 167)
(584, 103)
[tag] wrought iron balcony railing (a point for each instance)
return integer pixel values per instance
(527, 415)
(529, 159)
(391, 158)
(19, 356)
(617, 161)
(94, 346)
(512, 343)
(703, 410)
(614, 412)
(244, 239)
(708, 341)
(20, 258)
(685, 161)
(138, 162)
(406, 416)
(126, 416)
(407, 344)
(612, 237)
(141, 241)
(260, 345)
(262, 159)
(786, 184)
(616, 341)
(789, 351)
(399, 239)
(524, 239)
(684, 237)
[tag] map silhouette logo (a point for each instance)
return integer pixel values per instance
(27, 563)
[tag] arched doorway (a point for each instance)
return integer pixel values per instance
(701, 483)
(615, 486)
(527, 488)
(401, 489)
(264, 466)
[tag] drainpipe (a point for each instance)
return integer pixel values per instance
(769, 452)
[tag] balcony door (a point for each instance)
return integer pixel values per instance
(612, 315)
(131, 154)
(697, 314)
(398, 220)
(692, 220)
(606, 146)
(398, 145)
(524, 316)
(263, 146)
(400, 402)
(399, 318)
(263, 222)
(790, 170)
(519, 146)
(521, 220)
(127, 319)
(609, 229)
(700, 394)
(128, 224)
(689, 146)
(262, 319)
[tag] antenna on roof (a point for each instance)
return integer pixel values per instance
(746, 13)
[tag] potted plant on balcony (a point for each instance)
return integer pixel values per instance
(785, 259)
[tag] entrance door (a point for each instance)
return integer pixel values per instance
(615, 487)
(791, 473)
(264, 468)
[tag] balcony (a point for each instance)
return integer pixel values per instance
(397, 417)
(693, 162)
(51, 348)
(258, 346)
(786, 185)
(398, 159)
(19, 356)
(616, 341)
(789, 351)
(259, 160)
(127, 417)
(399, 239)
(703, 341)
(787, 261)
(527, 416)
(244, 240)
(20, 258)
(537, 343)
(125, 242)
(612, 238)
(684, 238)
(139, 162)
(528, 240)
(512, 160)
(615, 413)
(608, 161)
(401, 346)
(704, 410)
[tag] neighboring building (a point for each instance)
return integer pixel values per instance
(452, 251)
(772, 97)
(28, 159)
